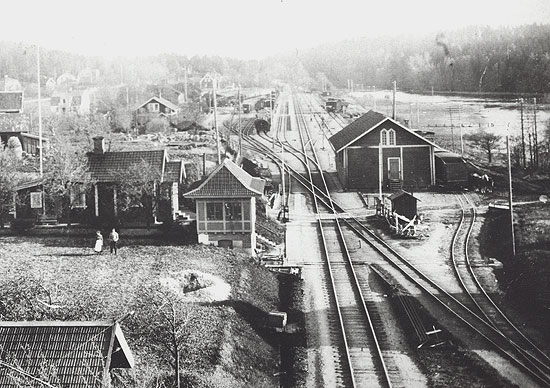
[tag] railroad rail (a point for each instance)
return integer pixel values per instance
(465, 314)
(366, 361)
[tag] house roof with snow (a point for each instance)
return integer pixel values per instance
(228, 181)
(77, 354)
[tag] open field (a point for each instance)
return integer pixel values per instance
(225, 343)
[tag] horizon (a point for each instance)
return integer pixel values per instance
(245, 29)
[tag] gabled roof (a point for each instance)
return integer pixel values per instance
(362, 126)
(228, 180)
(76, 352)
(174, 171)
(103, 166)
(11, 102)
(162, 101)
(399, 194)
(29, 184)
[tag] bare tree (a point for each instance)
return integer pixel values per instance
(9, 177)
(66, 176)
(485, 141)
(163, 322)
(137, 187)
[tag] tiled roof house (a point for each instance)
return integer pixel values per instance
(64, 354)
(105, 165)
(225, 204)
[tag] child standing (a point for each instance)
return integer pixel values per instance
(113, 240)
(98, 242)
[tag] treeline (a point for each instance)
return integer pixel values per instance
(473, 59)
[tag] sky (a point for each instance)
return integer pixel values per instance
(247, 29)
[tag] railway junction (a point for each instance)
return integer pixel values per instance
(372, 301)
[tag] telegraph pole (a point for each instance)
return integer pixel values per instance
(536, 138)
(240, 129)
(510, 192)
(522, 132)
(40, 141)
(214, 82)
(185, 84)
(394, 106)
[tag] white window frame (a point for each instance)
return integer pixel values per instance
(391, 136)
(383, 137)
(153, 107)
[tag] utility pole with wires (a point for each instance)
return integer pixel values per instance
(535, 134)
(240, 128)
(510, 205)
(522, 133)
(214, 86)
(39, 111)
(40, 140)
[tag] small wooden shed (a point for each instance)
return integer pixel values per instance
(404, 204)
(79, 354)
(226, 207)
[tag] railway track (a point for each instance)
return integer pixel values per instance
(479, 298)
(523, 356)
(367, 365)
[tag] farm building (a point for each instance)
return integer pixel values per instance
(226, 207)
(155, 107)
(451, 170)
(377, 148)
(66, 354)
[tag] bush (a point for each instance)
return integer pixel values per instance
(22, 225)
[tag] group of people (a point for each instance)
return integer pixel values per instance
(113, 241)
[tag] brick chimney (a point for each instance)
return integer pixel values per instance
(99, 145)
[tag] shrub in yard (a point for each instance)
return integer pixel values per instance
(22, 225)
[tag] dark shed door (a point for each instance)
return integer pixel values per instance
(394, 168)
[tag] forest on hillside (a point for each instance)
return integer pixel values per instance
(473, 59)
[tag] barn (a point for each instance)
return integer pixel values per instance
(377, 148)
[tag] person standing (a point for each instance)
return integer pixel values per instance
(98, 247)
(113, 241)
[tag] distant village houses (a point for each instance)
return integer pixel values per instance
(155, 107)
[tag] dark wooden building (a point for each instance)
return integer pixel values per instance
(375, 147)
(29, 143)
(226, 207)
(72, 354)
(451, 170)
(155, 107)
(404, 204)
(106, 166)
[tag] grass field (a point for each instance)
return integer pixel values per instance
(226, 345)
